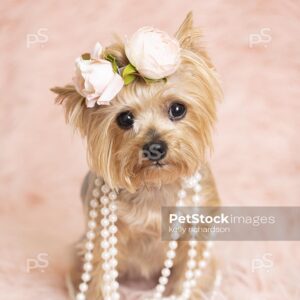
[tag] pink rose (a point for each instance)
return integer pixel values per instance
(153, 52)
(96, 80)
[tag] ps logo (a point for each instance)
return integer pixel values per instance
(263, 37)
(37, 38)
(40, 262)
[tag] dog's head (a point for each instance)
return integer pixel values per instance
(151, 133)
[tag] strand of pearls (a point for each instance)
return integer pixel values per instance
(194, 270)
(89, 245)
(109, 240)
(108, 243)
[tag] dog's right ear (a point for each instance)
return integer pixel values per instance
(74, 104)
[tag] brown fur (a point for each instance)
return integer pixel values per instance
(114, 155)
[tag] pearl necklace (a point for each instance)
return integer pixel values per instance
(108, 233)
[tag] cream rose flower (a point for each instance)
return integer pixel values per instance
(96, 80)
(153, 53)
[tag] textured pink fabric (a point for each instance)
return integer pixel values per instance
(256, 159)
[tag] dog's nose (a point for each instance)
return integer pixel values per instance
(155, 151)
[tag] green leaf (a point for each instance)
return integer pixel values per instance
(149, 81)
(113, 61)
(129, 70)
(110, 58)
(129, 78)
(115, 66)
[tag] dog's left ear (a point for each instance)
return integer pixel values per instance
(189, 37)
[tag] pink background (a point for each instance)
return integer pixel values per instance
(256, 159)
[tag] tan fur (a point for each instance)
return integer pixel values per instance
(114, 155)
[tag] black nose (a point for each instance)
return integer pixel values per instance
(155, 151)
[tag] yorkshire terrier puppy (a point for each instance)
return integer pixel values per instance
(152, 134)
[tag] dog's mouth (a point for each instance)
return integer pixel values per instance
(158, 164)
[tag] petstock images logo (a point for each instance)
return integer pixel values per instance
(231, 223)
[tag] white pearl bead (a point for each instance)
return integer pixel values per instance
(157, 295)
(186, 285)
(180, 203)
(94, 203)
(106, 277)
(106, 266)
(192, 252)
(88, 256)
(166, 272)
(83, 287)
(186, 294)
(191, 264)
(163, 280)
(90, 235)
(104, 222)
(86, 277)
(104, 200)
(92, 224)
(93, 214)
(104, 244)
(202, 264)
(168, 263)
(105, 188)
(112, 195)
(105, 211)
(113, 251)
(113, 262)
(197, 188)
(105, 255)
(173, 245)
(114, 273)
(115, 296)
(88, 267)
(196, 198)
(97, 182)
(115, 285)
(198, 176)
(193, 283)
(113, 229)
(106, 289)
(193, 243)
(206, 254)
(113, 240)
(96, 193)
(198, 273)
(189, 274)
(175, 235)
(192, 182)
(89, 245)
(113, 207)
(181, 194)
(171, 254)
(113, 218)
(80, 296)
(160, 288)
(104, 233)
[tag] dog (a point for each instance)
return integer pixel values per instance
(150, 137)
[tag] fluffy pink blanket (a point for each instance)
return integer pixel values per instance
(255, 46)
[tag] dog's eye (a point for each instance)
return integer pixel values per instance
(125, 120)
(177, 111)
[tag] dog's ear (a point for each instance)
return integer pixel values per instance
(190, 37)
(187, 35)
(74, 104)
